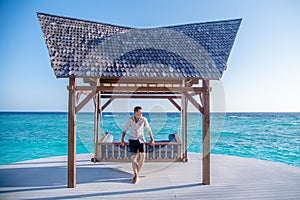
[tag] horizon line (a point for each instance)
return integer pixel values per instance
(60, 111)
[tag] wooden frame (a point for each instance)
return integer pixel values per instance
(143, 88)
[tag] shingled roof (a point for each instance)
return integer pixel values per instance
(80, 48)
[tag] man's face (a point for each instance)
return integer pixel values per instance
(138, 113)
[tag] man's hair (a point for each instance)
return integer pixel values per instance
(137, 108)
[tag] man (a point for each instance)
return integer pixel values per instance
(137, 146)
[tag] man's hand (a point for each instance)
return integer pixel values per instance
(152, 143)
(123, 143)
(123, 137)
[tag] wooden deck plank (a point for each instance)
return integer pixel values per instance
(231, 178)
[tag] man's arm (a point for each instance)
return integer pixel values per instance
(124, 132)
(149, 131)
(151, 138)
(123, 138)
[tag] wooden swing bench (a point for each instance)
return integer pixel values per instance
(163, 151)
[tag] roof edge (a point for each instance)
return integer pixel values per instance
(82, 20)
(209, 22)
(127, 27)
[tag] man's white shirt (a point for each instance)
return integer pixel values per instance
(137, 128)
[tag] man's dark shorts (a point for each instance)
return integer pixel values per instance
(136, 145)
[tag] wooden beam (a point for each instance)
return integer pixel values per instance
(72, 135)
(184, 124)
(96, 121)
(175, 104)
(139, 80)
(85, 101)
(194, 102)
(147, 94)
(206, 134)
(140, 96)
(113, 89)
(107, 103)
(201, 99)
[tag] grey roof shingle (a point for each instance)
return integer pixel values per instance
(90, 49)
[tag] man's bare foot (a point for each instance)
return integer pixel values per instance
(135, 179)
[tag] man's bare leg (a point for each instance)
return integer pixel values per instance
(141, 161)
(135, 167)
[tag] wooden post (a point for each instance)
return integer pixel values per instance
(96, 122)
(206, 134)
(184, 124)
(72, 135)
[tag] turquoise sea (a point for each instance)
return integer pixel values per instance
(266, 136)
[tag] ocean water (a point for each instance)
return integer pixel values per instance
(267, 136)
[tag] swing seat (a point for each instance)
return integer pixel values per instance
(108, 150)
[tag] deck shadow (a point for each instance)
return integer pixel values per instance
(55, 177)
(126, 192)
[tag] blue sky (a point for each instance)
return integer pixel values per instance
(263, 68)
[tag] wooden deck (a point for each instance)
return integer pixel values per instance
(231, 178)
